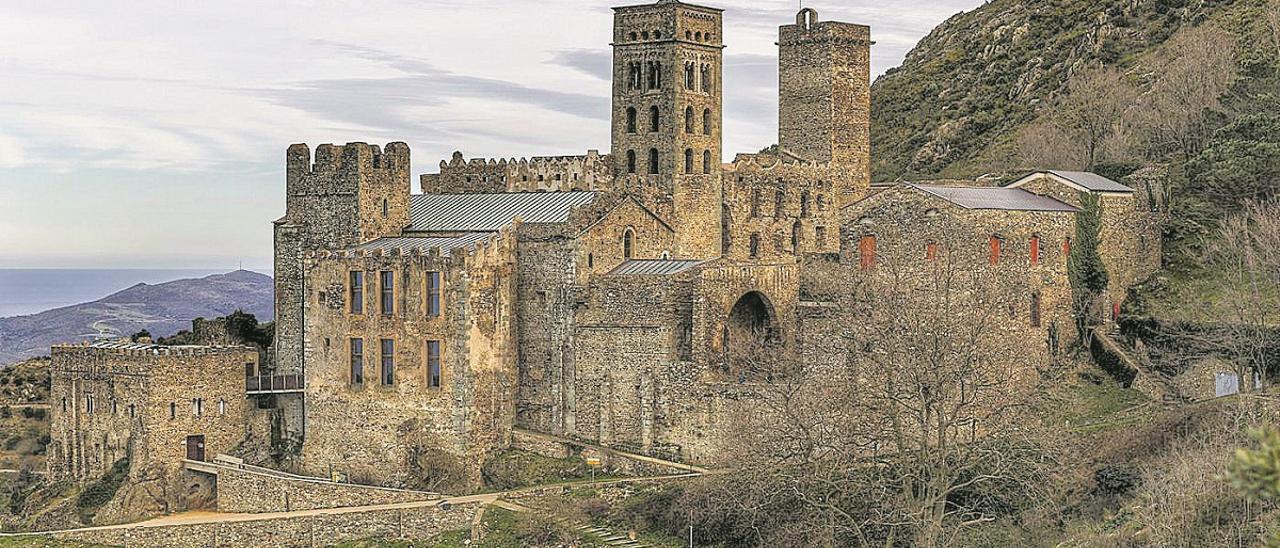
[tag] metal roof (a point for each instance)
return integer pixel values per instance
(427, 243)
(1092, 181)
(118, 345)
(490, 212)
(660, 267)
(1010, 199)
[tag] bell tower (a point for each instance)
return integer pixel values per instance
(667, 116)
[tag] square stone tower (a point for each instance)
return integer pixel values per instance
(667, 114)
(824, 84)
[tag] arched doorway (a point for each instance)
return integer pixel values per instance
(750, 338)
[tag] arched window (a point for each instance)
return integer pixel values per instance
(688, 76)
(867, 252)
(688, 119)
(688, 160)
(634, 36)
(754, 248)
(706, 162)
(655, 75)
(657, 34)
(795, 237)
(653, 161)
(631, 161)
(631, 120)
(804, 203)
(706, 78)
(637, 76)
(996, 243)
(706, 122)
(697, 36)
(654, 118)
(1035, 250)
(628, 243)
(755, 202)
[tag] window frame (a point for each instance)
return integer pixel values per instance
(435, 364)
(387, 292)
(355, 292)
(355, 369)
(434, 300)
(387, 356)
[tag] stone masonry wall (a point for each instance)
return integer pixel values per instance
(257, 491)
(405, 522)
(546, 173)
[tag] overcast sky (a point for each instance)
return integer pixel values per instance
(152, 133)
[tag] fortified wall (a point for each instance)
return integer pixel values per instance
(537, 174)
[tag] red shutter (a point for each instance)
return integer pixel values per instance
(867, 251)
(931, 251)
(1035, 250)
(995, 250)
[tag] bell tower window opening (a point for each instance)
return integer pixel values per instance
(688, 76)
(655, 119)
(631, 120)
(653, 161)
(706, 122)
(706, 78)
(631, 161)
(706, 162)
(688, 161)
(688, 119)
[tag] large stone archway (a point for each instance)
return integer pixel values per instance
(750, 337)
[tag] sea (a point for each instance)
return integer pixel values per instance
(26, 291)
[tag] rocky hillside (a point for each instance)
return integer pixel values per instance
(161, 309)
(961, 98)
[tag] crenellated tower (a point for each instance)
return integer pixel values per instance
(348, 195)
(824, 92)
(667, 114)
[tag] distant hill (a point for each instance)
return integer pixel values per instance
(161, 309)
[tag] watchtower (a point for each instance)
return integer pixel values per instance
(667, 116)
(824, 84)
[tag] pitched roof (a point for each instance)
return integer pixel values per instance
(1081, 180)
(648, 267)
(1009, 199)
(445, 244)
(490, 212)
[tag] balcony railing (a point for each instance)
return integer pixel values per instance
(273, 384)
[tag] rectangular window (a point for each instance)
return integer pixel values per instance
(357, 361)
(433, 364)
(222, 407)
(386, 284)
(388, 362)
(433, 294)
(1035, 310)
(355, 289)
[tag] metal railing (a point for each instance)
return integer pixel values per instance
(273, 383)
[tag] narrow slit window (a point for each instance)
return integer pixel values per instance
(433, 364)
(388, 362)
(433, 294)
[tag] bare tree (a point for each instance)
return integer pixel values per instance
(1085, 125)
(878, 434)
(1272, 18)
(1191, 72)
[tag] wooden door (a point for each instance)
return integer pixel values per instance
(195, 448)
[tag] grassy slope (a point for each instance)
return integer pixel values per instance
(956, 104)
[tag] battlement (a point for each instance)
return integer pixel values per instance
(460, 253)
(128, 349)
(537, 173)
(351, 157)
(809, 30)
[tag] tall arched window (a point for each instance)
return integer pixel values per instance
(631, 161)
(637, 76)
(628, 243)
(654, 118)
(688, 76)
(706, 122)
(653, 161)
(795, 237)
(631, 120)
(688, 119)
(706, 162)
(688, 160)
(706, 78)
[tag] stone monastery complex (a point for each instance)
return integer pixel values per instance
(607, 299)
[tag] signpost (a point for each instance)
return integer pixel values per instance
(594, 463)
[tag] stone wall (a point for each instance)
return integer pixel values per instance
(418, 521)
(251, 490)
(377, 432)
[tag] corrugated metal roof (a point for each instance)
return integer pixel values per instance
(426, 243)
(490, 212)
(1092, 181)
(118, 345)
(661, 267)
(1010, 199)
